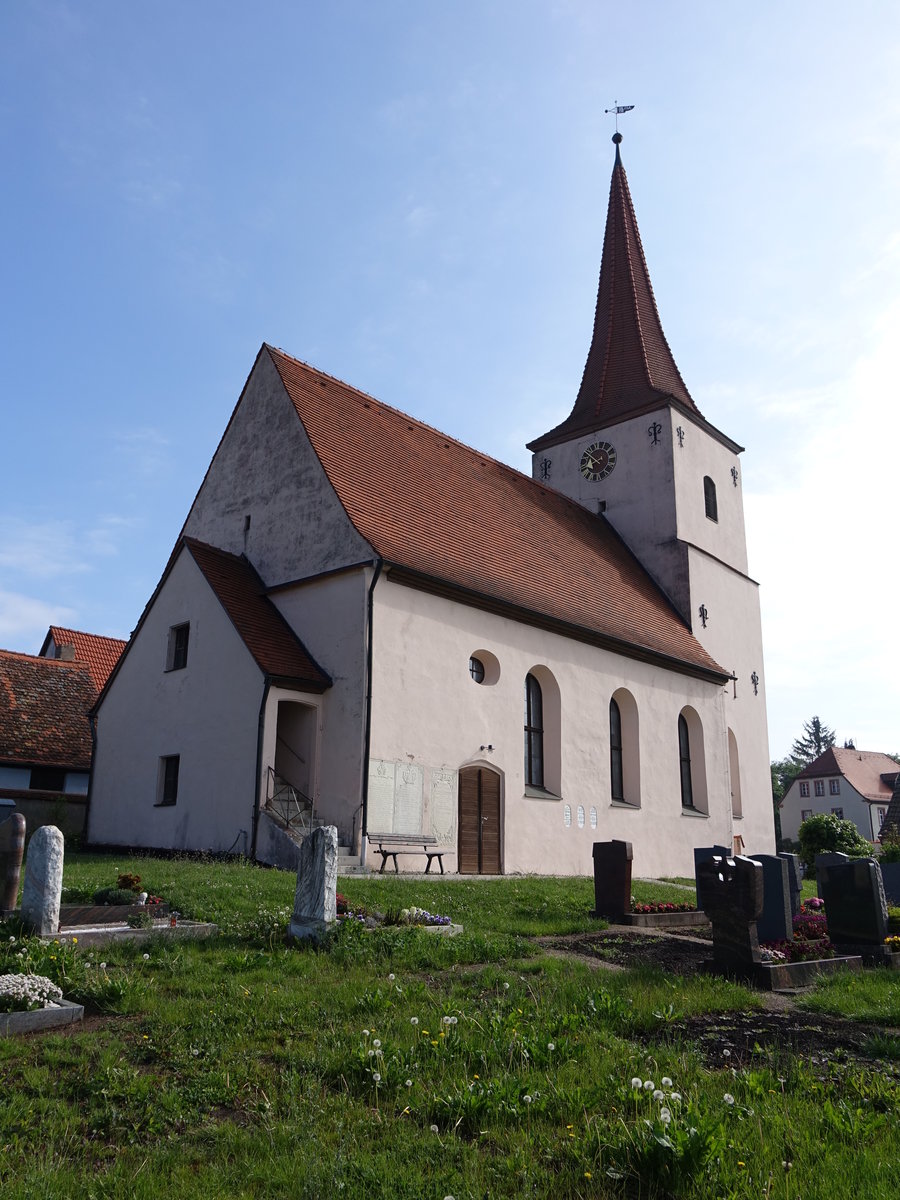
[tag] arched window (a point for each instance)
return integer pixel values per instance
(534, 733)
(709, 498)
(737, 808)
(616, 775)
(684, 762)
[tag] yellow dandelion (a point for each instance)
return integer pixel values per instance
(587, 1174)
(74, 941)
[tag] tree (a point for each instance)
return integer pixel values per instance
(816, 739)
(824, 831)
(784, 772)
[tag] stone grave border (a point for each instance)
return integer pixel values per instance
(54, 1016)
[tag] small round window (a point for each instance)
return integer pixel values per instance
(484, 667)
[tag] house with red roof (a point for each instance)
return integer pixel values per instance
(366, 622)
(855, 785)
(45, 732)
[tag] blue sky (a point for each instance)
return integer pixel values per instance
(411, 196)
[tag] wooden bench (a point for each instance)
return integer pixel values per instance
(389, 845)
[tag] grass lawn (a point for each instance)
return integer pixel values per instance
(408, 1064)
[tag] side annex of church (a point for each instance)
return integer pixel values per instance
(367, 623)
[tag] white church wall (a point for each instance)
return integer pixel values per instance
(207, 713)
(329, 615)
(428, 711)
(733, 636)
(266, 469)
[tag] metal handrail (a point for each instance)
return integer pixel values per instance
(292, 806)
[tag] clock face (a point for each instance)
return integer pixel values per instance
(598, 461)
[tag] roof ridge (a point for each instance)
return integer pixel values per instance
(40, 658)
(106, 637)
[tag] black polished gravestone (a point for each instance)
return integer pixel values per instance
(775, 923)
(733, 901)
(612, 879)
(855, 906)
(832, 858)
(795, 882)
(890, 875)
(703, 854)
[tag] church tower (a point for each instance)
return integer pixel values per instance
(637, 450)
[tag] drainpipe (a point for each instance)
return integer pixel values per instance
(364, 822)
(92, 721)
(259, 751)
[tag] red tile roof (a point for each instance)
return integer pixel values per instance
(275, 647)
(44, 704)
(436, 507)
(863, 770)
(630, 369)
(99, 654)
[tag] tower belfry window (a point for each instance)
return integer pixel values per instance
(709, 498)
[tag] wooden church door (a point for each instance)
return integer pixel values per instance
(479, 821)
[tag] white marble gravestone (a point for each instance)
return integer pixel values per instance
(43, 881)
(315, 904)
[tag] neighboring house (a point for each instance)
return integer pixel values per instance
(855, 785)
(416, 640)
(45, 734)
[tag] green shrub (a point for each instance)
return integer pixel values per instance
(824, 833)
(890, 845)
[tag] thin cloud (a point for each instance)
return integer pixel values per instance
(25, 619)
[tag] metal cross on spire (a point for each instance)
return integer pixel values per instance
(618, 109)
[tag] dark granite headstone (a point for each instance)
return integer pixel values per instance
(612, 878)
(12, 847)
(702, 854)
(855, 907)
(733, 895)
(890, 875)
(775, 924)
(795, 881)
(830, 859)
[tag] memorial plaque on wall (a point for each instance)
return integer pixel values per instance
(381, 796)
(444, 786)
(408, 798)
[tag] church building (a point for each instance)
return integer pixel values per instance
(369, 624)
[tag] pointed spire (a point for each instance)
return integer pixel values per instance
(630, 368)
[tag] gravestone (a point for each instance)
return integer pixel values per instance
(12, 847)
(775, 923)
(890, 875)
(703, 854)
(42, 890)
(315, 903)
(612, 878)
(855, 906)
(733, 895)
(832, 858)
(795, 881)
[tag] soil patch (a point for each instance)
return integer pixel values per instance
(677, 951)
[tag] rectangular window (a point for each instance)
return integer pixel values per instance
(838, 812)
(805, 814)
(167, 788)
(177, 652)
(881, 814)
(47, 779)
(804, 789)
(834, 787)
(820, 787)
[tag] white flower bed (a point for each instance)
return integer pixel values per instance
(22, 993)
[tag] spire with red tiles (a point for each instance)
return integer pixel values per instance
(630, 369)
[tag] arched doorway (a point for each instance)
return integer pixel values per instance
(479, 821)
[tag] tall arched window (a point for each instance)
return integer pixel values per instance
(684, 761)
(534, 733)
(616, 775)
(709, 497)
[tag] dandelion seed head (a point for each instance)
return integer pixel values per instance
(376, 1077)
(434, 1129)
(728, 1098)
(526, 1099)
(676, 1096)
(726, 1053)
(365, 1033)
(146, 957)
(637, 1083)
(649, 1085)
(409, 1083)
(392, 977)
(413, 1020)
(376, 1043)
(666, 1082)
(658, 1095)
(447, 1020)
(551, 1046)
(665, 1116)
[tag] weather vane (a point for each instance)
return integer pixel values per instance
(617, 109)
